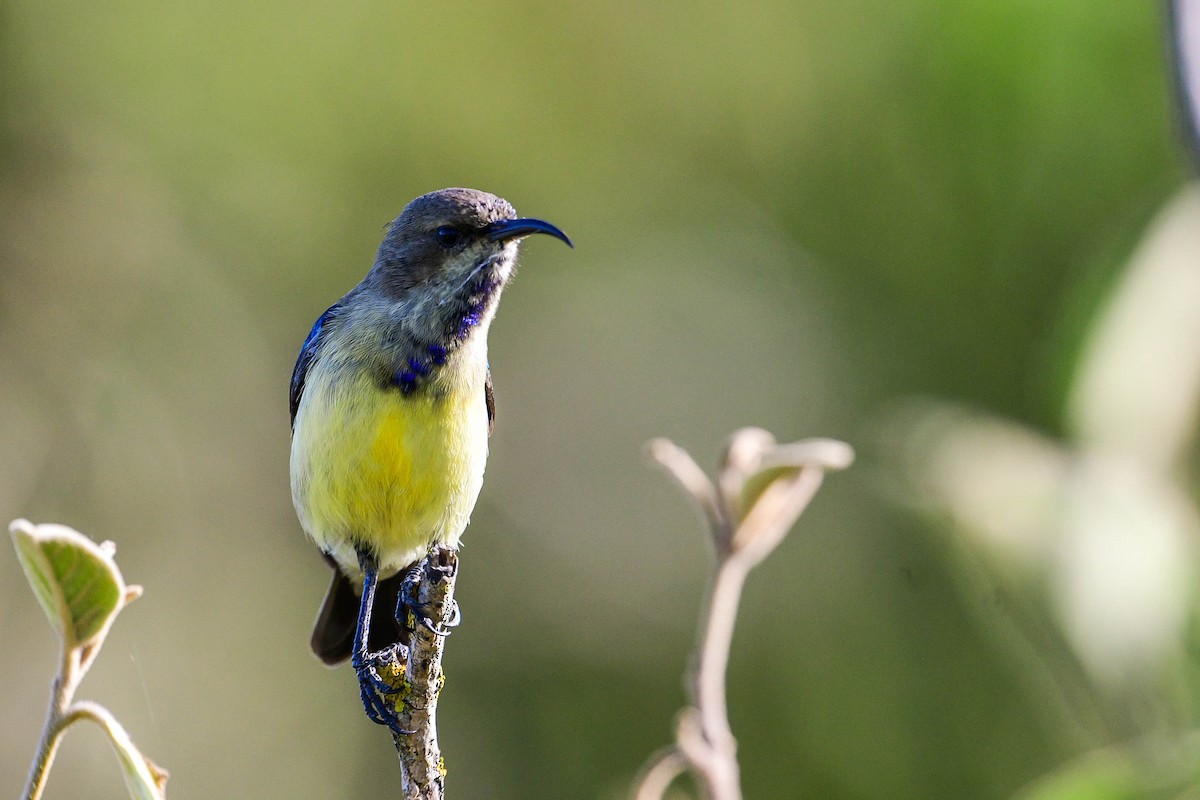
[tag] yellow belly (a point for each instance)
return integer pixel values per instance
(373, 467)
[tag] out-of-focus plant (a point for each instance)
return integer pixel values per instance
(80, 588)
(761, 491)
(1184, 16)
(1102, 525)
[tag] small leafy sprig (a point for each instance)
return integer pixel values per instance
(760, 492)
(80, 588)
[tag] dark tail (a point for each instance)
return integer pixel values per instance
(333, 635)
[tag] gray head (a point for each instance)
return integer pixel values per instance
(448, 255)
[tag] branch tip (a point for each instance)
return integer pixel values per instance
(679, 464)
(828, 454)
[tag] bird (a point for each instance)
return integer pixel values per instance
(391, 410)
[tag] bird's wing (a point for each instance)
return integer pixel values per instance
(490, 399)
(308, 355)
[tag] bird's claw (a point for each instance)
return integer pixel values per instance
(408, 604)
(377, 692)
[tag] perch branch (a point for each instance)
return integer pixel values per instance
(422, 770)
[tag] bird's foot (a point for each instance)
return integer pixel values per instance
(420, 612)
(383, 685)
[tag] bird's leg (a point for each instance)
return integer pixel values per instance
(408, 604)
(377, 693)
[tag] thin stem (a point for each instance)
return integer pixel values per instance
(85, 709)
(717, 628)
(47, 746)
(719, 767)
(61, 692)
(661, 772)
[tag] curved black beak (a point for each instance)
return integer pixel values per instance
(506, 229)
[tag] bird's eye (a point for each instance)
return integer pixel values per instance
(447, 235)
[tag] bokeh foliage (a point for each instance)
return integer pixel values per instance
(787, 214)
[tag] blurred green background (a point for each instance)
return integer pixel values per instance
(786, 214)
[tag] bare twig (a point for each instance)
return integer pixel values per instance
(422, 770)
(760, 493)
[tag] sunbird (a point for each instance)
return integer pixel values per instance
(392, 408)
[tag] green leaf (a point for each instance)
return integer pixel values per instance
(144, 779)
(1162, 770)
(75, 580)
(1094, 779)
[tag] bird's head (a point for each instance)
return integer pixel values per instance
(447, 257)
